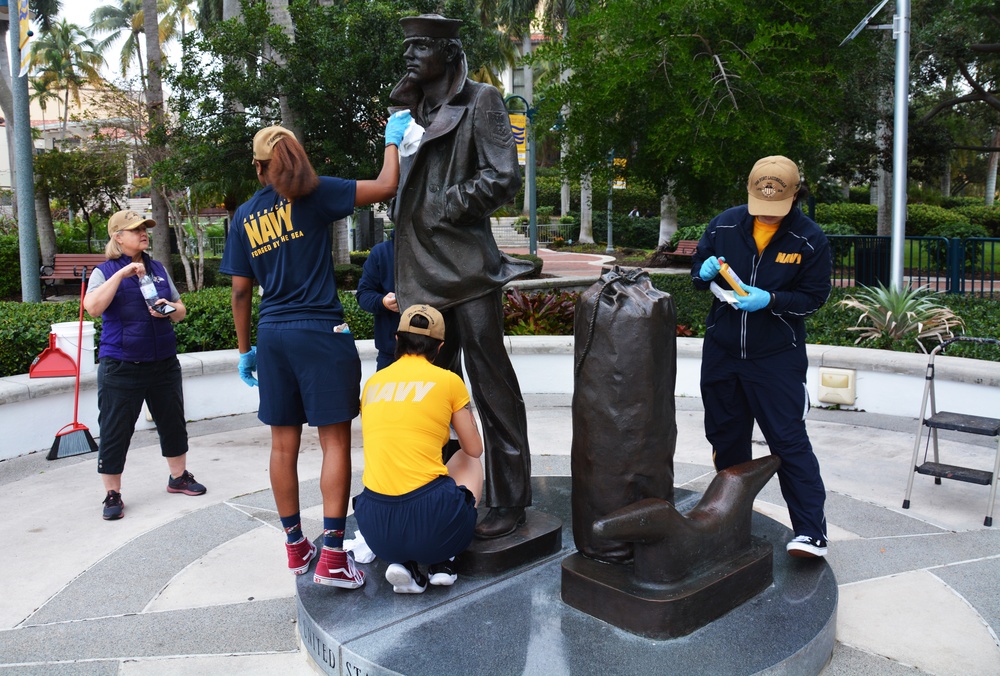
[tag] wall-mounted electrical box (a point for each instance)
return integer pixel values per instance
(837, 386)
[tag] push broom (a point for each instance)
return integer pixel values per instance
(75, 438)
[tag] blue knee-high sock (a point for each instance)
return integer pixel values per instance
(293, 527)
(333, 532)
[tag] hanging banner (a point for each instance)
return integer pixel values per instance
(519, 127)
(25, 28)
(619, 183)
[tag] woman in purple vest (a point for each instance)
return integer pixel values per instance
(138, 358)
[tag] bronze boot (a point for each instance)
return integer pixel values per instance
(500, 521)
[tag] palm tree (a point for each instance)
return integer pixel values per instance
(179, 13)
(68, 58)
(113, 20)
(45, 12)
(154, 102)
(128, 16)
(40, 90)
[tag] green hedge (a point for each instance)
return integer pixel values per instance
(636, 233)
(921, 219)
(981, 215)
(212, 275)
(25, 327)
(10, 267)
(862, 218)
(362, 323)
(347, 275)
(209, 321)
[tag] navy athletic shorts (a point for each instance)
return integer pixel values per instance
(307, 373)
(428, 525)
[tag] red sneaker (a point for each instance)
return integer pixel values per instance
(299, 555)
(336, 568)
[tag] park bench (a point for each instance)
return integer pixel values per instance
(685, 248)
(68, 268)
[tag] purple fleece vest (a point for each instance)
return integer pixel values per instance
(128, 332)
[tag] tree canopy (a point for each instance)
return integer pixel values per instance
(691, 94)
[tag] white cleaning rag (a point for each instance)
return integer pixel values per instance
(411, 139)
(362, 552)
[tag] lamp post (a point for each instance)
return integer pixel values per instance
(611, 188)
(529, 171)
(23, 161)
(900, 27)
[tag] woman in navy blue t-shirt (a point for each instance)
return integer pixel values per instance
(305, 358)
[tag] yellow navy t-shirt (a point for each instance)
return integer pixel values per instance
(406, 410)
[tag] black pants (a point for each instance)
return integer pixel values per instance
(771, 391)
(475, 329)
(122, 386)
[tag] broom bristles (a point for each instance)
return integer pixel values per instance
(75, 442)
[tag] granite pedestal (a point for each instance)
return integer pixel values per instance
(516, 622)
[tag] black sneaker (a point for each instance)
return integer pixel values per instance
(442, 574)
(406, 578)
(185, 484)
(114, 508)
(806, 547)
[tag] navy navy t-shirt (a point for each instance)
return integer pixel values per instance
(286, 247)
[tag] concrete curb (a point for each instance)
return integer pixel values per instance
(888, 383)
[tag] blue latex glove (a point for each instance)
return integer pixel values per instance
(756, 299)
(710, 268)
(396, 127)
(248, 364)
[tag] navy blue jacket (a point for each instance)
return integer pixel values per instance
(377, 280)
(128, 331)
(795, 266)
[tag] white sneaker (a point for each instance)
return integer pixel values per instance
(406, 578)
(442, 574)
(806, 547)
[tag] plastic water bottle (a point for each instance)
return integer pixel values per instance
(148, 288)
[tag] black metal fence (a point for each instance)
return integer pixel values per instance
(952, 265)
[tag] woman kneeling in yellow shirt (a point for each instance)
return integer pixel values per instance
(415, 508)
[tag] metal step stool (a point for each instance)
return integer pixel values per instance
(958, 422)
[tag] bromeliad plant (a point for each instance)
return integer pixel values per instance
(539, 314)
(890, 315)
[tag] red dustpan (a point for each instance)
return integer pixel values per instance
(75, 438)
(52, 362)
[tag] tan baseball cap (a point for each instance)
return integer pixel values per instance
(435, 322)
(772, 186)
(128, 220)
(264, 140)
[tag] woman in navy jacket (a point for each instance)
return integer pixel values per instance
(754, 356)
(376, 294)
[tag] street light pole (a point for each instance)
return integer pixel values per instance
(901, 31)
(611, 188)
(27, 226)
(529, 173)
(611, 185)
